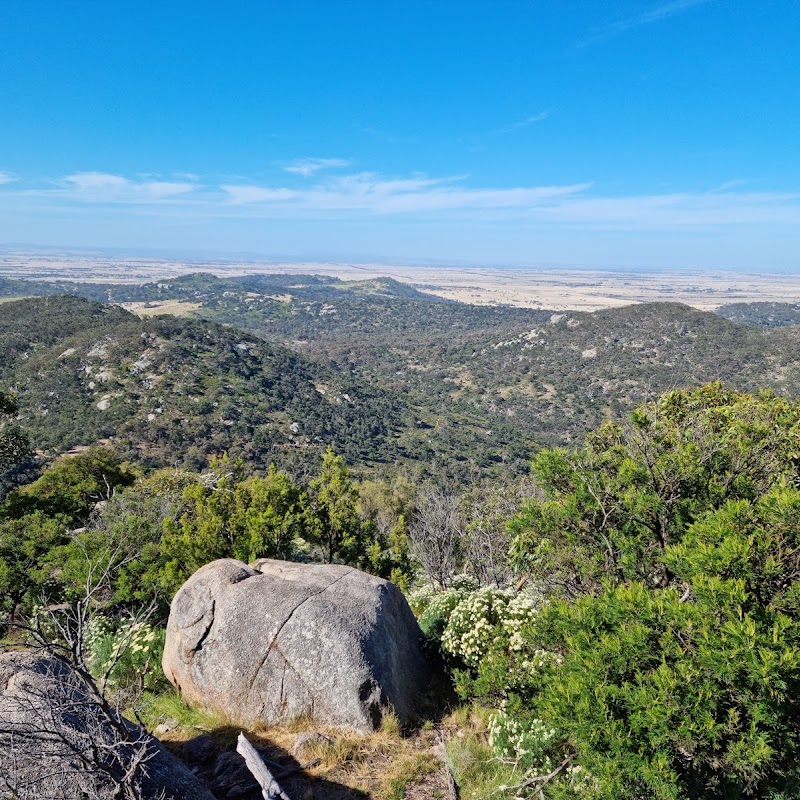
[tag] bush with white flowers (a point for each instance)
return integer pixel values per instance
(483, 617)
(420, 597)
(434, 619)
(130, 655)
(526, 743)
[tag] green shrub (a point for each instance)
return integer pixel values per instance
(527, 743)
(677, 693)
(125, 656)
(420, 597)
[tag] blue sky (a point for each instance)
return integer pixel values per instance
(587, 134)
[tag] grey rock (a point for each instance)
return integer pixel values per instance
(231, 777)
(58, 742)
(308, 739)
(167, 726)
(274, 641)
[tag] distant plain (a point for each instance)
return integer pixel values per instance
(545, 287)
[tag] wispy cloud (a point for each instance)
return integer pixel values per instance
(6, 177)
(308, 166)
(107, 187)
(372, 193)
(523, 123)
(575, 205)
(655, 14)
(679, 210)
(727, 185)
(368, 195)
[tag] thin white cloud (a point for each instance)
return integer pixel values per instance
(308, 166)
(6, 177)
(726, 185)
(666, 10)
(570, 204)
(371, 193)
(97, 181)
(246, 194)
(523, 123)
(655, 14)
(104, 186)
(365, 195)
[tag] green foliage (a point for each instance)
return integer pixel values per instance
(74, 485)
(528, 744)
(679, 687)
(125, 655)
(231, 517)
(384, 508)
(124, 539)
(433, 620)
(662, 699)
(179, 390)
(337, 529)
(763, 314)
(613, 506)
(13, 445)
(25, 543)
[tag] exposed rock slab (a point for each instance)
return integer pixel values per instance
(277, 640)
(57, 742)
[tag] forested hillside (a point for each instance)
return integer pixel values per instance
(175, 389)
(450, 389)
(767, 315)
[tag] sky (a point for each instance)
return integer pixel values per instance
(620, 134)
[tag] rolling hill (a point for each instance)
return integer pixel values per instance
(173, 389)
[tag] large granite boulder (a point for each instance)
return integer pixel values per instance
(277, 640)
(59, 741)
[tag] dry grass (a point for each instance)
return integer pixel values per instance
(384, 765)
(478, 772)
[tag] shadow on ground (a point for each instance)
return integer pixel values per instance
(212, 757)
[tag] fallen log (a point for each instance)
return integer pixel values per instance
(269, 786)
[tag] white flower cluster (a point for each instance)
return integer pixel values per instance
(97, 628)
(581, 781)
(420, 598)
(43, 621)
(129, 653)
(437, 615)
(526, 744)
(538, 659)
(474, 623)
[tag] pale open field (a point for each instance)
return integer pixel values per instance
(558, 289)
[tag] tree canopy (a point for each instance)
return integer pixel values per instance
(612, 507)
(13, 444)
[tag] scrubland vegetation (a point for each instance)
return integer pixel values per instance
(618, 621)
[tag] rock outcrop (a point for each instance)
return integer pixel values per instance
(58, 741)
(277, 640)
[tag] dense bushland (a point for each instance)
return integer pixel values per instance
(628, 624)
